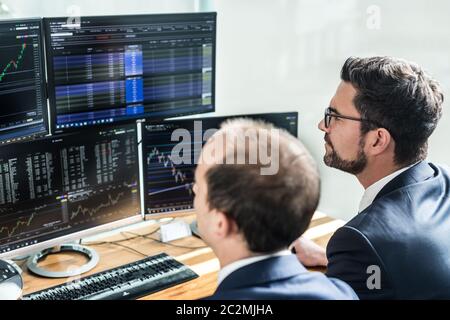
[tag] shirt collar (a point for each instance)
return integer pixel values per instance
(371, 192)
(230, 268)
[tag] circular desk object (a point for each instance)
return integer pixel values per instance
(11, 283)
(91, 254)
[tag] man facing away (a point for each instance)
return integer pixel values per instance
(377, 128)
(249, 216)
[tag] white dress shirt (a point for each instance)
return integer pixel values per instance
(371, 192)
(228, 269)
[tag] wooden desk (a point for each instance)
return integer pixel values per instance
(191, 251)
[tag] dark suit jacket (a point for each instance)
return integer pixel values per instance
(280, 278)
(405, 232)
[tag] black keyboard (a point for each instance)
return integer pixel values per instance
(129, 281)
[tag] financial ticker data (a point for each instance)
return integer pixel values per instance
(117, 68)
(23, 104)
(167, 181)
(55, 186)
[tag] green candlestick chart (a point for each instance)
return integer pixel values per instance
(14, 63)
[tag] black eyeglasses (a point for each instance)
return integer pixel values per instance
(328, 115)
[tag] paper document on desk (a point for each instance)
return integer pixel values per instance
(175, 230)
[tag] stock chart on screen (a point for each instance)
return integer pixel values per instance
(168, 181)
(23, 103)
(55, 186)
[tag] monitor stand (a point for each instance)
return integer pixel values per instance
(91, 254)
(194, 229)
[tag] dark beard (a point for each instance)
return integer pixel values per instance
(351, 166)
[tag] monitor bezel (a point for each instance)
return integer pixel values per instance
(133, 119)
(43, 83)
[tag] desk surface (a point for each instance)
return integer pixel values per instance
(191, 251)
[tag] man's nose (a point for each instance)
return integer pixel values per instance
(321, 126)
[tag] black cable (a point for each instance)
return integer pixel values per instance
(106, 242)
(118, 242)
(170, 244)
(129, 248)
(122, 240)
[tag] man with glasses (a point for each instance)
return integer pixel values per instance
(377, 128)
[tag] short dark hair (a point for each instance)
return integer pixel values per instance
(271, 211)
(401, 97)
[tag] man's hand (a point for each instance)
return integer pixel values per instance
(309, 253)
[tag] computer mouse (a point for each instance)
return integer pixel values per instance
(11, 283)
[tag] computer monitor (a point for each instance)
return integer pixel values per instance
(168, 185)
(66, 187)
(108, 69)
(22, 80)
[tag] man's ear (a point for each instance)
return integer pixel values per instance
(223, 224)
(378, 141)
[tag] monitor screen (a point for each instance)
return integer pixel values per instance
(57, 186)
(121, 68)
(168, 184)
(22, 80)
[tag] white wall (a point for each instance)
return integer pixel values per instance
(49, 8)
(283, 55)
